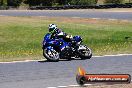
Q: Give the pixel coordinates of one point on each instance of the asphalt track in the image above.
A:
(52, 74)
(70, 13)
(47, 74)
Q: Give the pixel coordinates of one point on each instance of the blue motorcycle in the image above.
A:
(55, 49)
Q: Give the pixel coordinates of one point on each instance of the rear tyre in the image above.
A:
(84, 52)
(51, 55)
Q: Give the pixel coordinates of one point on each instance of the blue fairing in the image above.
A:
(47, 37)
(77, 38)
(49, 48)
(47, 42)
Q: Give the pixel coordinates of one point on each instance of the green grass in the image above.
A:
(21, 37)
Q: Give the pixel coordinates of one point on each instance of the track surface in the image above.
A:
(63, 73)
(70, 13)
(47, 74)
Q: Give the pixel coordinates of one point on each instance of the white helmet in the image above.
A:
(52, 28)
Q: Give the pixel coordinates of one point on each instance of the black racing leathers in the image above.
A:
(60, 34)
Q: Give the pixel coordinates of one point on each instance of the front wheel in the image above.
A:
(84, 52)
(51, 55)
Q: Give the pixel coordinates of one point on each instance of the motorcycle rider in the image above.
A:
(58, 33)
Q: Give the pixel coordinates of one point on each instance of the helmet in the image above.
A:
(52, 28)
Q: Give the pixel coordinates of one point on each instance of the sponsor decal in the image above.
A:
(82, 78)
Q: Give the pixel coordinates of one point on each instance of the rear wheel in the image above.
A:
(84, 52)
(51, 55)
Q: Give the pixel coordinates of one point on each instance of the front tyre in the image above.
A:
(84, 52)
(51, 55)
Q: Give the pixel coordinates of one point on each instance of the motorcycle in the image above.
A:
(55, 49)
